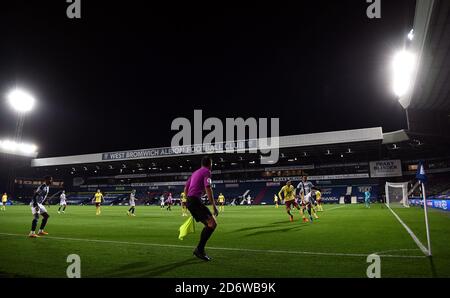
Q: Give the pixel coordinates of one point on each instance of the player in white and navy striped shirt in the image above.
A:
(132, 202)
(306, 189)
(37, 208)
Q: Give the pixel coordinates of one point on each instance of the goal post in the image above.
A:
(397, 194)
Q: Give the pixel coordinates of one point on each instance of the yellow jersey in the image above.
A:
(318, 195)
(183, 197)
(289, 193)
(98, 197)
(221, 199)
(4, 198)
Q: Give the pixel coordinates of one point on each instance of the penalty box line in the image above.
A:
(410, 232)
(359, 255)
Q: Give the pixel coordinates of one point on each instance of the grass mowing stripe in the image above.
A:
(410, 232)
(220, 248)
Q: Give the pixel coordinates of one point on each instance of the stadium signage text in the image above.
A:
(385, 168)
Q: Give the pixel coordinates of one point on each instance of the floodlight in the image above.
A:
(23, 149)
(21, 100)
(411, 34)
(403, 66)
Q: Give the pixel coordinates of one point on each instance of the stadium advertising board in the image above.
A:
(385, 168)
(433, 203)
(181, 150)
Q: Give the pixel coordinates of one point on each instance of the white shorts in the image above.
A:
(63, 203)
(133, 205)
(41, 209)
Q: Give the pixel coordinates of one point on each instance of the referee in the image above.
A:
(199, 182)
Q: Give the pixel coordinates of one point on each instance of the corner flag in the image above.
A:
(421, 175)
(186, 228)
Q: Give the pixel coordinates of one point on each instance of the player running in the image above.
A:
(169, 202)
(98, 199)
(62, 202)
(319, 201)
(288, 193)
(221, 200)
(199, 182)
(4, 201)
(275, 200)
(367, 198)
(249, 201)
(132, 202)
(183, 204)
(161, 200)
(307, 203)
(307, 187)
(37, 208)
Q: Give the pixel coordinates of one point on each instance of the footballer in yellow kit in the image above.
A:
(183, 204)
(288, 193)
(4, 201)
(98, 199)
(275, 200)
(319, 200)
(221, 202)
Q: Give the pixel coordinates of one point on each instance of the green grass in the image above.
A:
(249, 242)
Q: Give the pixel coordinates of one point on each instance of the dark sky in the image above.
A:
(116, 79)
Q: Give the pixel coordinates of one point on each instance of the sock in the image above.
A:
(34, 225)
(43, 223)
(64, 208)
(205, 235)
(132, 211)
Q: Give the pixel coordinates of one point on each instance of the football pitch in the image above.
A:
(249, 242)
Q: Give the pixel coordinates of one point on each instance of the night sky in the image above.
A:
(116, 79)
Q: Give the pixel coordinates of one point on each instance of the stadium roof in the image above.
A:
(367, 135)
(431, 90)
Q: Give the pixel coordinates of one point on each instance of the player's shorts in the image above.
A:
(221, 203)
(63, 203)
(291, 203)
(3, 203)
(183, 204)
(97, 204)
(198, 210)
(40, 211)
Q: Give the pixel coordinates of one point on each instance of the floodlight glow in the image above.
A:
(11, 147)
(411, 34)
(403, 66)
(21, 100)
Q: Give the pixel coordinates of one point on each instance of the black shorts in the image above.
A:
(198, 210)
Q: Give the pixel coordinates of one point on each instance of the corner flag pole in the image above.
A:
(426, 217)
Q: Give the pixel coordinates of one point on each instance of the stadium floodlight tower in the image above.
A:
(22, 102)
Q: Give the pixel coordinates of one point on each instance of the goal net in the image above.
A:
(397, 194)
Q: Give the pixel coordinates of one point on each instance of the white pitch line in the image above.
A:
(410, 232)
(361, 255)
(335, 208)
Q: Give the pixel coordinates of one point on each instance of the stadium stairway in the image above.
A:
(260, 196)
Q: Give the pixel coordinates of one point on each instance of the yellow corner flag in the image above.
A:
(186, 228)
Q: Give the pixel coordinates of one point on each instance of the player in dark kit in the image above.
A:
(199, 182)
(37, 208)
